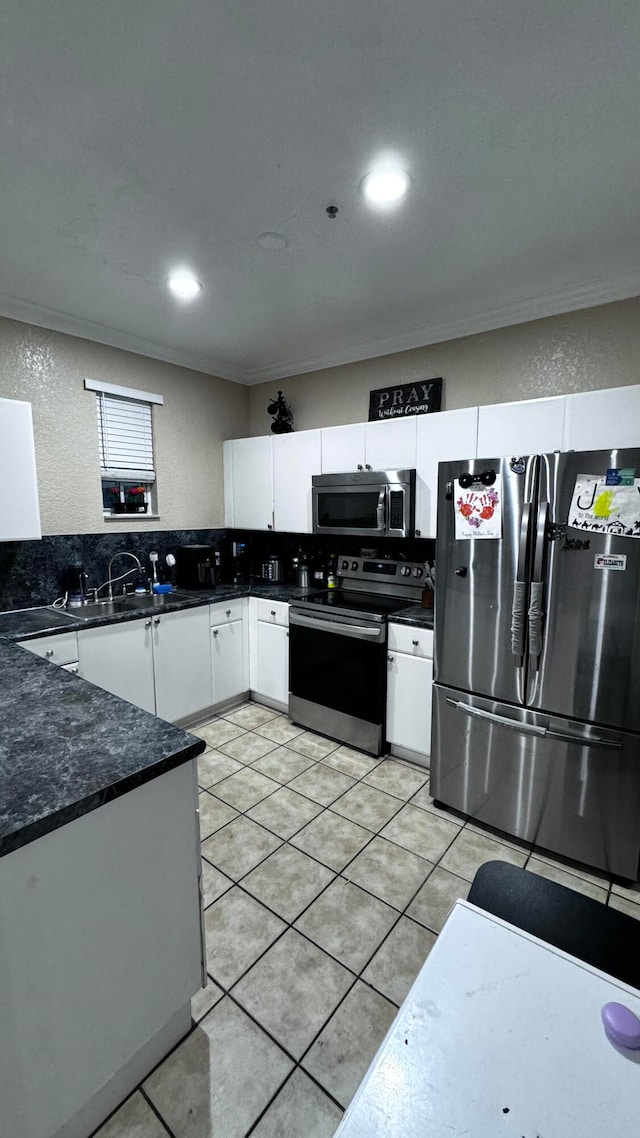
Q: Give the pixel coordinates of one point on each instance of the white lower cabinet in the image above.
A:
(161, 664)
(119, 658)
(409, 689)
(228, 661)
(272, 662)
(182, 663)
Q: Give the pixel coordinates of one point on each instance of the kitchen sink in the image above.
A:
(98, 608)
(145, 603)
(152, 600)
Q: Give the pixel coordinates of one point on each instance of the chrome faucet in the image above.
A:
(123, 553)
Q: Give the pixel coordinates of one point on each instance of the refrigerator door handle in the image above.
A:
(536, 612)
(501, 720)
(531, 729)
(583, 740)
(519, 603)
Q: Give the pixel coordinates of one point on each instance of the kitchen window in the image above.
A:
(125, 440)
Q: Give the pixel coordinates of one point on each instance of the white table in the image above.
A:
(500, 1035)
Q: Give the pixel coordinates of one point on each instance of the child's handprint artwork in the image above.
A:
(478, 513)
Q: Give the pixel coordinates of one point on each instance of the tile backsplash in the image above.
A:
(32, 572)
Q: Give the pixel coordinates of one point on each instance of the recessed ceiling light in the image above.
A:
(183, 284)
(385, 185)
(273, 241)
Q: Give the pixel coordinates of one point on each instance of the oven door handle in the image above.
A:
(355, 631)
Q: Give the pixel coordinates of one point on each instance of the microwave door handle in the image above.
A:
(380, 510)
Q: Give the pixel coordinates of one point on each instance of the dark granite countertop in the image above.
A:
(414, 615)
(28, 624)
(67, 747)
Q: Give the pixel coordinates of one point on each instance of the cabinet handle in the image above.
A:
(49, 652)
(273, 612)
(147, 624)
(368, 467)
(74, 671)
(359, 466)
(269, 526)
(415, 643)
(156, 620)
(228, 612)
(390, 659)
(418, 532)
(215, 631)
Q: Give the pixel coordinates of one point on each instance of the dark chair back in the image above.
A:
(584, 928)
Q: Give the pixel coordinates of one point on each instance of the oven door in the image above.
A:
(337, 676)
(357, 510)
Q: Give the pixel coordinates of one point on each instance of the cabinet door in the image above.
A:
(409, 680)
(391, 445)
(227, 483)
(228, 661)
(182, 663)
(119, 658)
(343, 448)
(296, 458)
(601, 420)
(533, 426)
(440, 437)
(272, 665)
(19, 505)
(252, 482)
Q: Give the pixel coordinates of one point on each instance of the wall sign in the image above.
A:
(420, 398)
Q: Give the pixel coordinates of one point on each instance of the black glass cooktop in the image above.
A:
(351, 601)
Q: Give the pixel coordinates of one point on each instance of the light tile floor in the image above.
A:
(327, 876)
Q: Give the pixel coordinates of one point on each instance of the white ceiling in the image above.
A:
(139, 136)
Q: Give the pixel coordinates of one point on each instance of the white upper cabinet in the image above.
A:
(296, 458)
(533, 426)
(391, 445)
(441, 437)
(343, 448)
(19, 505)
(601, 420)
(250, 465)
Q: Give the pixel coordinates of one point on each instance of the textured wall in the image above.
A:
(48, 369)
(579, 351)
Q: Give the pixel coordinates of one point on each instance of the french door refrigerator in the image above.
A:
(537, 650)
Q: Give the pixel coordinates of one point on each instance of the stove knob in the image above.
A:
(405, 571)
(354, 564)
(418, 572)
(345, 565)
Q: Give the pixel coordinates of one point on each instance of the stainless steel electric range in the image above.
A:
(338, 649)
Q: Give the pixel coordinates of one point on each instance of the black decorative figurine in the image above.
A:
(282, 416)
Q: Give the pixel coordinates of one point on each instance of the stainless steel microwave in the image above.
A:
(371, 503)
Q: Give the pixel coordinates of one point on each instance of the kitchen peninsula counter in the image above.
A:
(101, 943)
(68, 747)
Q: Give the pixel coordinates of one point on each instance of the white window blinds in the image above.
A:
(126, 438)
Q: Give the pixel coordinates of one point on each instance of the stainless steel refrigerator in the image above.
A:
(537, 650)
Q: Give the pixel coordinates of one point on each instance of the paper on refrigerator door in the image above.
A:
(597, 506)
(478, 512)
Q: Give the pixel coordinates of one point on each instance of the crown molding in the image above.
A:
(589, 295)
(469, 324)
(55, 321)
